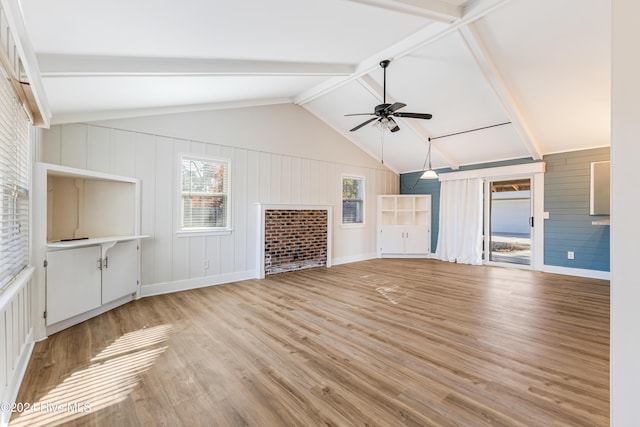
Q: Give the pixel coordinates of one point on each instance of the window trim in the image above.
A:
(364, 197)
(202, 231)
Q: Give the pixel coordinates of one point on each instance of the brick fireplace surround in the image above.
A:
(294, 238)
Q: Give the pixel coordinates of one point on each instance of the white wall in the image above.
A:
(279, 154)
(625, 205)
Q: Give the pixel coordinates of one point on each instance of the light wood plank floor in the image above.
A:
(378, 343)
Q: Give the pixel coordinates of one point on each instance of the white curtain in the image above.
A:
(460, 234)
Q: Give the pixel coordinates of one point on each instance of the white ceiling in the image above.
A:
(541, 64)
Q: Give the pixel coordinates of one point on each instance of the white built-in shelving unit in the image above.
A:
(404, 225)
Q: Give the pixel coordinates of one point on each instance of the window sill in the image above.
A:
(355, 225)
(204, 232)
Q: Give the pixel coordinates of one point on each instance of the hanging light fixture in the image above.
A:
(429, 173)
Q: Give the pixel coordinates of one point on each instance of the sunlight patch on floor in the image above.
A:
(110, 378)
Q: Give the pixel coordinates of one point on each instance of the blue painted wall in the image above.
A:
(566, 198)
(410, 183)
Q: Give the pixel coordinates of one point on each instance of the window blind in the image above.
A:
(205, 193)
(14, 185)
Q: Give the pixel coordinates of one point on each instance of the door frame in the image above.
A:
(536, 250)
(533, 170)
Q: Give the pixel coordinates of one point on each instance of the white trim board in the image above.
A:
(579, 272)
(497, 172)
(200, 282)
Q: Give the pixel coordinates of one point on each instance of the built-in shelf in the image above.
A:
(601, 222)
(79, 243)
(86, 235)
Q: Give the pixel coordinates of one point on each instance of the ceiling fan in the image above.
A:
(384, 113)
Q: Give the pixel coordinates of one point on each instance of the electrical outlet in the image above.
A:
(570, 255)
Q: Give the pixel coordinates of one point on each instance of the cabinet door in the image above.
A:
(417, 240)
(73, 282)
(120, 273)
(392, 239)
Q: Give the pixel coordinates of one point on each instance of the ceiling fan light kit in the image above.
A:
(384, 113)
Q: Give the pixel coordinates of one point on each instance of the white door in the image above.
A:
(417, 240)
(392, 239)
(73, 282)
(120, 271)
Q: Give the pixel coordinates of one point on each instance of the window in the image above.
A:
(204, 191)
(14, 185)
(352, 200)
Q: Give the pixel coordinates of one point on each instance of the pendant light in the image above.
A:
(429, 173)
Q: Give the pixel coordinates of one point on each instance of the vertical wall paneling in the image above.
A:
(240, 210)
(123, 153)
(295, 182)
(73, 146)
(253, 197)
(50, 145)
(286, 179)
(569, 227)
(16, 337)
(227, 241)
(305, 181)
(165, 204)
(181, 244)
(145, 167)
(99, 149)
(276, 178)
(169, 262)
(264, 166)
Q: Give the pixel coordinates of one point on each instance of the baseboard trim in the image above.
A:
(580, 272)
(353, 258)
(13, 386)
(66, 323)
(199, 282)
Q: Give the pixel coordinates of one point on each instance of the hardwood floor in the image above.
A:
(380, 343)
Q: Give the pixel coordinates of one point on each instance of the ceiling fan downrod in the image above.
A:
(384, 64)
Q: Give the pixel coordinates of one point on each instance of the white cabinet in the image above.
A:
(404, 225)
(120, 271)
(73, 282)
(86, 229)
(82, 279)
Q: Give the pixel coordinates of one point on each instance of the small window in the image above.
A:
(352, 200)
(204, 190)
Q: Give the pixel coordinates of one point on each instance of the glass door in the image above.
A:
(510, 221)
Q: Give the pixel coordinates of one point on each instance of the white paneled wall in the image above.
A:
(16, 338)
(171, 261)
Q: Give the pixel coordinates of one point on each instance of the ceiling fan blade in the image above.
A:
(393, 126)
(360, 114)
(414, 115)
(395, 106)
(363, 124)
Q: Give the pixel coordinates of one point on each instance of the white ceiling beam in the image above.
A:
(415, 41)
(96, 116)
(58, 65)
(375, 89)
(13, 16)
(491, 73)
(434, 10)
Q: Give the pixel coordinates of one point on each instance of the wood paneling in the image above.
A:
(256, 177)
(381, 342)
(566, 198)
(16, 337)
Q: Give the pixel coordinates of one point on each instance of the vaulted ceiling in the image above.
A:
(542, 65)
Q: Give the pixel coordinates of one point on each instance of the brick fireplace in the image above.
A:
(294, 237)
